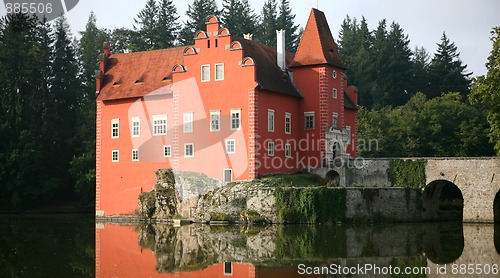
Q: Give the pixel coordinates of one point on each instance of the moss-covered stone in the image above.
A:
(310, 205)
(407, 173)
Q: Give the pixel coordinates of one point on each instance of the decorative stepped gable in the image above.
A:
(317, 46)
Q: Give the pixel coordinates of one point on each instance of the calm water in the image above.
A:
(77, 247)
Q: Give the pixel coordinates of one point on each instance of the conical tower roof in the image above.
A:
(317, 46)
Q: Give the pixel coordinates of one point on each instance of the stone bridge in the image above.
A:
(471, 183)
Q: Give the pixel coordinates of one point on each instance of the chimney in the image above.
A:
(280, 51)
(103, 58)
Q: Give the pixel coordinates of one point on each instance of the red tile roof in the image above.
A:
(317, 45)
(136, 74)
(269, 76)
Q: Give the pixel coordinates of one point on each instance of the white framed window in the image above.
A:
(334, 93)
(189, 150)
(205, 73)
(288, 123)
(235, 119)
(309, 120)
(160, 125)
(115, 128)
(136, 127)
(270, 120)
(215, 120)
(135, 155)
(335, 120)
(167, 151)
(288, 150)
(115, 155)
(188, 122)
(230, 146)
(219, 72)
(270, 148)
(348, 128)
(228, 177)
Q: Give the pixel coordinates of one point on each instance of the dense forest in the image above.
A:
(412, 103)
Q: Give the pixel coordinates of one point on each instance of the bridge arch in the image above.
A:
(333, 177)
(443, 200)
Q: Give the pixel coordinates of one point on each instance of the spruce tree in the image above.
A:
(197, 14)
(89, 47)
(420, 70)
(82, 166)
(286, 22)
(269, 23)
(380, 55)
(238, 17)
(145, 26)
(168, 26)
(447, 72)
(399, 66)
(63, 105)
(231, 15)
(24, 76)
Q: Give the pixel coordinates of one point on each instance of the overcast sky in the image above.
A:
(467, 23)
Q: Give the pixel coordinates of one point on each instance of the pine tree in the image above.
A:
(145, 26)
(238, 17)
(231, 14)
(380, 55)
(89, 47)
(269, 23)
(168, 26)
(447, 72)
(82, 166)
(286, 22)
(420, 71)
(63, 105)
(399, 66)
(197, 14)
(24, 76)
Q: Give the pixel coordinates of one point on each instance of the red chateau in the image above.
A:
(228, 107)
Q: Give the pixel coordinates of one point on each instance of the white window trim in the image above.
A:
(314, 120)
(117, 156)
(215, 71)
(135, 150)
(117, 122)
(270, 120)
(288, 116)
(288, 150)
(201, 69)
(185, 145)
(188, 123)
(136, 120)
(270, 151)
(334, 93)
(231, 264)
(234, 146)
(164, 150)
(232, 111)
(224, 175)
(159, 118)
(216, 113)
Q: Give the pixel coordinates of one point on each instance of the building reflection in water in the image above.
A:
(276, 251)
